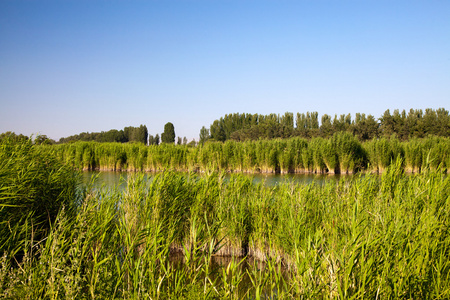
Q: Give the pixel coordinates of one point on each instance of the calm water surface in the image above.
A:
(110, 179)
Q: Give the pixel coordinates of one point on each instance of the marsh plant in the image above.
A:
(371, 237)
(34, 186)
(342, 153)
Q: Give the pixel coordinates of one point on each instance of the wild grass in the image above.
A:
(369, 237)
(342, 153)
(34, 185)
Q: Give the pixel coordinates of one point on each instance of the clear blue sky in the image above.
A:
(70, 66)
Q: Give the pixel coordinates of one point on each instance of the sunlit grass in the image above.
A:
(369, 237)
(342, 153)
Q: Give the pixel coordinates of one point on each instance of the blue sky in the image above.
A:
(70, 66)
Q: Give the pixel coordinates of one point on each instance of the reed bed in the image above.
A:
(340, 154)
(372, 236)
(34, 185)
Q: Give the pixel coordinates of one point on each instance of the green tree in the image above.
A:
(387, 125)
(136, 134)
(326, 128)
(168, 136)
(217, 131)
(443, 122)
(142, 135)
(204, 135)
(43, 140)
(13, 136)
(313, 120)
(365, 128)
(191, 143)
(153, 140)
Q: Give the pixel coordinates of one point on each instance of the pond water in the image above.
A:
(110, 178)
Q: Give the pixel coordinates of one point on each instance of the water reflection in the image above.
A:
(110, 178)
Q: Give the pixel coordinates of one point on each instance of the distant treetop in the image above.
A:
(415, 123)
(168, 136)
(128, 134)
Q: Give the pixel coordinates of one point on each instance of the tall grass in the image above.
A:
(367, 237)
(34, 186)
(342, 153)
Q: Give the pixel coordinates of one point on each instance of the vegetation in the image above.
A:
(153, 140)
(12, 136)
(168, 136)
(342, 153)
(204, 135)
(34, 186)
(246, 127)
(41, 139)
(415, 123)
(366, 237)
(128, 134)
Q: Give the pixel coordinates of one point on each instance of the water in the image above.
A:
(110, 178)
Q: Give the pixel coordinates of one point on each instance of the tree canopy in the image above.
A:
(128, 134)
(415, 123)
(168, 136)
(204, 135)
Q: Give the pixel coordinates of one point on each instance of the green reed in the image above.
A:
(366, 237)
(342, 153)
(34, 185)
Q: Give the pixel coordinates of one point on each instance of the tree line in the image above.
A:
(243, 127)
(40, 139)
(405, 125)
(128, 134)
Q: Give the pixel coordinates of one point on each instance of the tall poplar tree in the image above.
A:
(204, 135)
(168, 136)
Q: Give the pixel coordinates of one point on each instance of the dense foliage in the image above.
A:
(342, 153)
(40, 139)
(128, 134)
(369, 237)
(153, 140)
(34, 186)
(415, 123)
(168, 136)
(11, 136)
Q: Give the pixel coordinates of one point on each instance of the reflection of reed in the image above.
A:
(119, 179)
